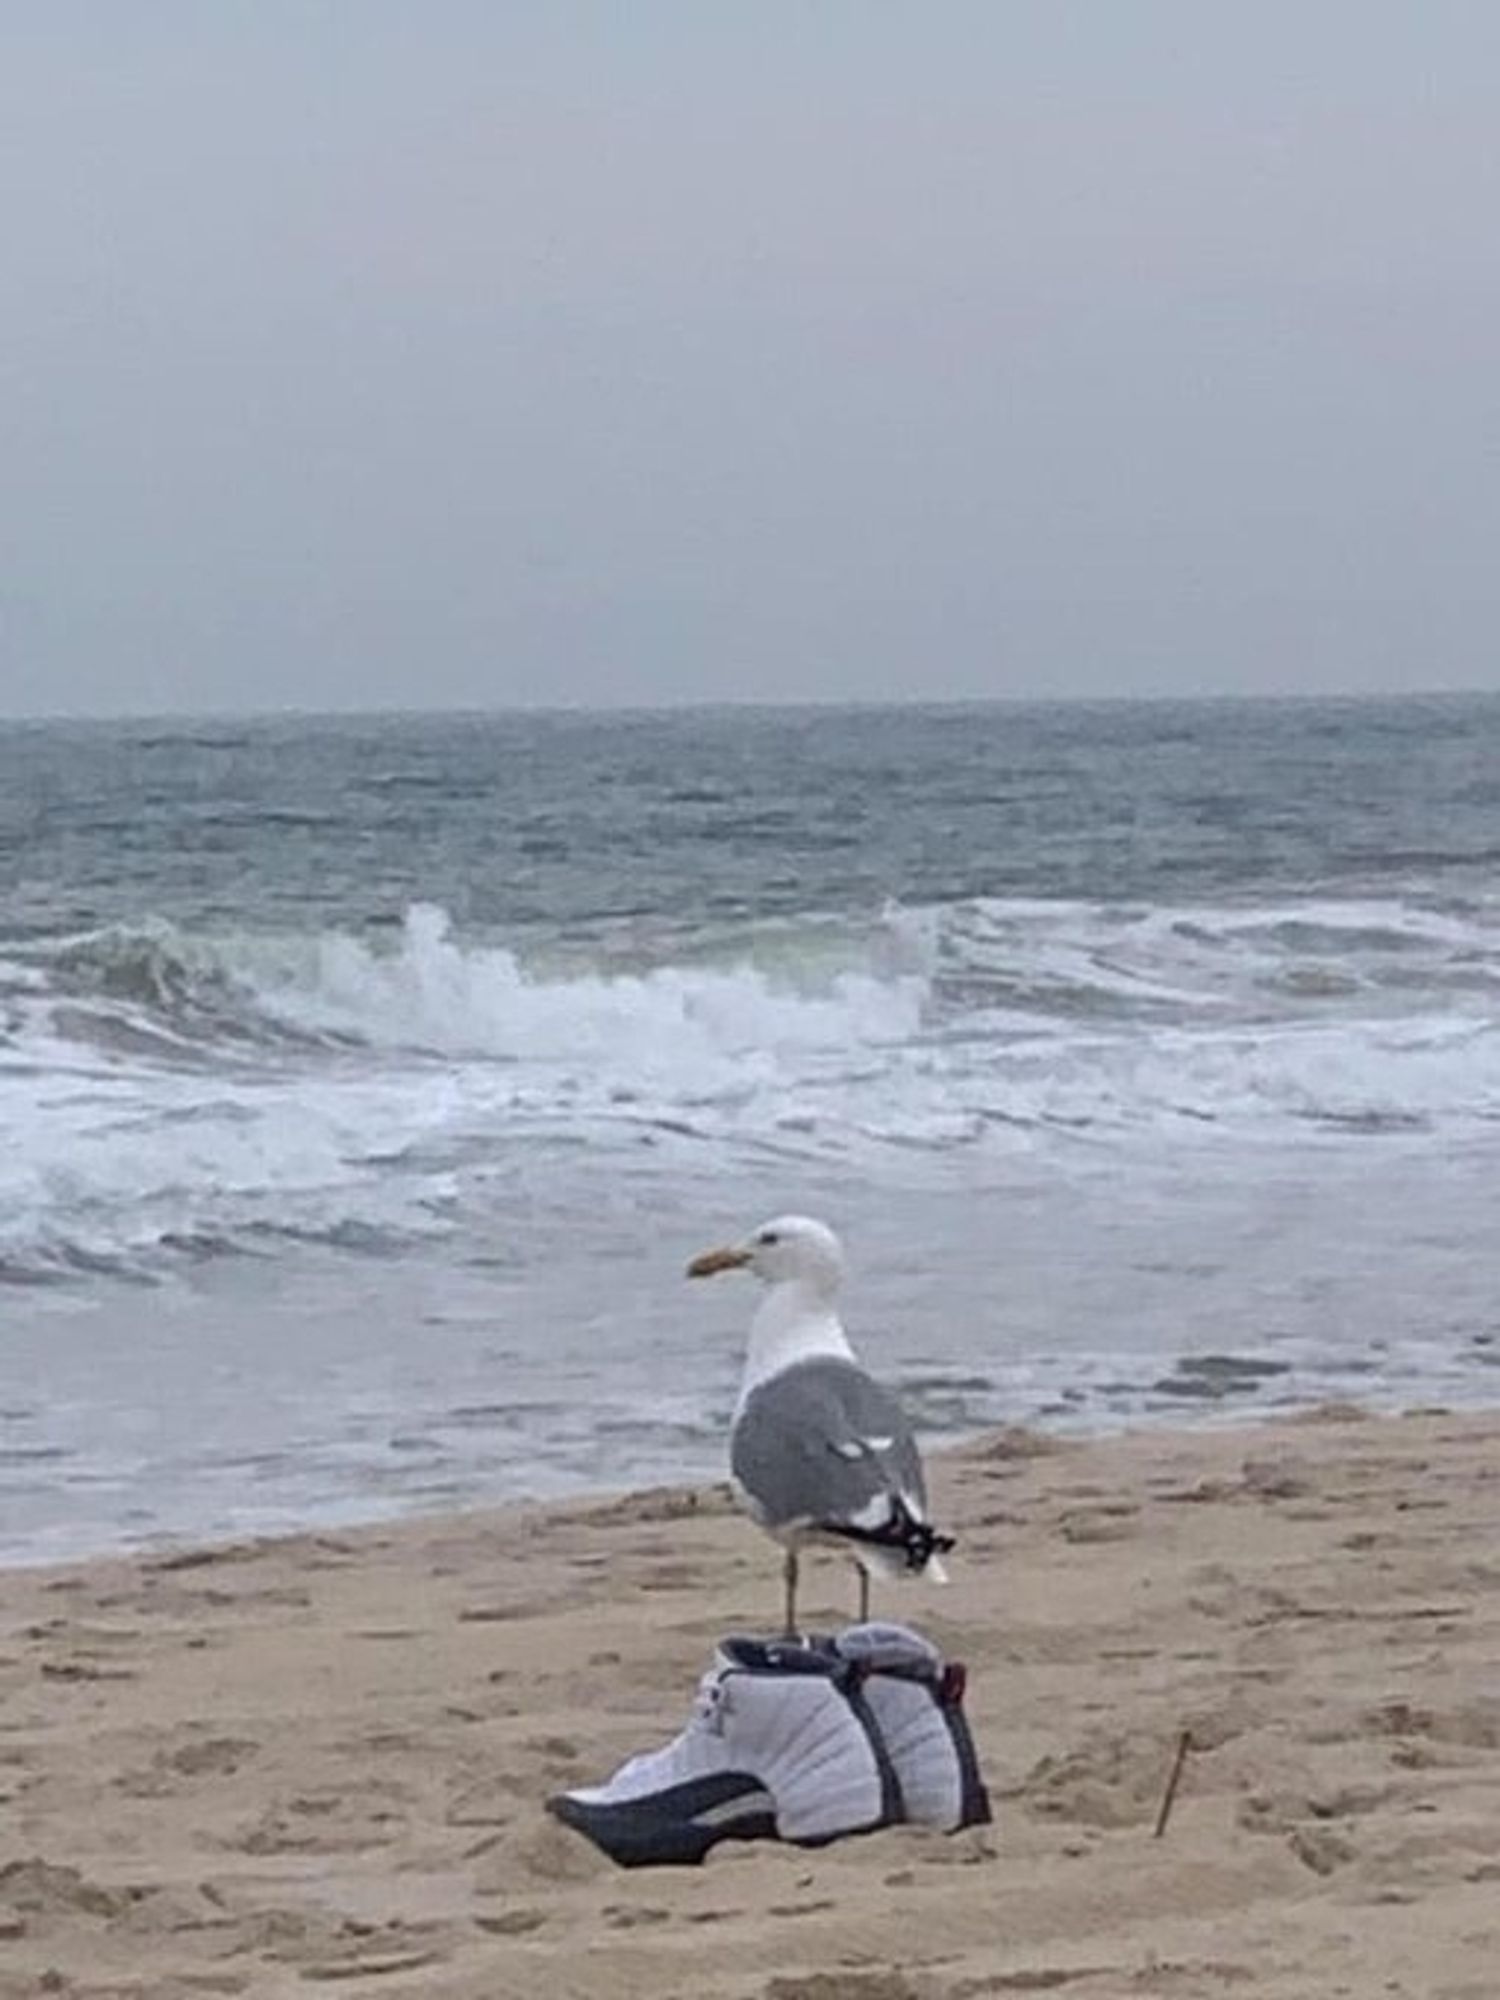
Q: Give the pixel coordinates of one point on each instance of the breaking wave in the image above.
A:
(168, 1095)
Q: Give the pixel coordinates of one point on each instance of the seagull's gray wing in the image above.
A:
(822, 1442)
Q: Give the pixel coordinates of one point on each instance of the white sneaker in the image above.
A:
(781, 1743)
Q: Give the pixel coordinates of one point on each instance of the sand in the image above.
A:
(321, 1762)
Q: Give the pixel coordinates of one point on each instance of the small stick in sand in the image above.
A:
(1184, 1744)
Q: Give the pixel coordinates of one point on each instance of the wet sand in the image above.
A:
(322, 1761)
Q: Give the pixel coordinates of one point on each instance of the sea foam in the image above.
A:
(161, 1090)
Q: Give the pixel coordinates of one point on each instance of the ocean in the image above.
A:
(366, 1083)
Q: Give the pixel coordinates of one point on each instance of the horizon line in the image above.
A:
(729, 704)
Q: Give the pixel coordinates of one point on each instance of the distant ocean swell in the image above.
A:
(168, 1095)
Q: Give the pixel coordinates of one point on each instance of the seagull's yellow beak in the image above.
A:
(713, 1261)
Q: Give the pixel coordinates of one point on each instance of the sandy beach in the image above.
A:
(266, 1768)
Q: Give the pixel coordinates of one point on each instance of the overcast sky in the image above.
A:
(432, 352)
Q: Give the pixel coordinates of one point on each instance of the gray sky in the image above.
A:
(468, 352)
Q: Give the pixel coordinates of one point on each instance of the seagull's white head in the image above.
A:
(789, 1249)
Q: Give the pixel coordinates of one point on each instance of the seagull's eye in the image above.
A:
(768, 1237)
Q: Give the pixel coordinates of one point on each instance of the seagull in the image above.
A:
(819, 1452)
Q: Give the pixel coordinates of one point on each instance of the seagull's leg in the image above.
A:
(864, 1594)
(789, 1577)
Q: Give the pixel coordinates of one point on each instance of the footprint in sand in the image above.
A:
(1278, 1476)
(1473, 1726)
(664, 1576)
(485, 1801)
(80, 1669)
(559, 1756)
(847, 1986)
(633, 1916)
(1320, 1848)
(325, 1822)
(1109, 1781)
(374, 1966)
(36, 1887)
(215, 1756)
(1290, 1811)
(512, 1923)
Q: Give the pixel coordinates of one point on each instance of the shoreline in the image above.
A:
(255, 1766)
(353, 1518)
